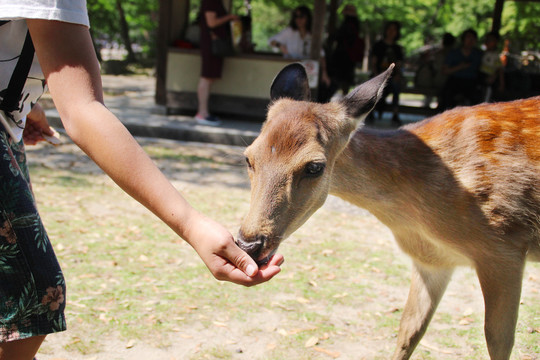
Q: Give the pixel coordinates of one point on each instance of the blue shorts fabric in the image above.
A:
(32, 286)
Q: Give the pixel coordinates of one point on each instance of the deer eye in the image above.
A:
(314, 169)
(248, 163)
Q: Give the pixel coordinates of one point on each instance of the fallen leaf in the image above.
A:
(87, 276)
(130, 344)
(425, 344)
(299, 330)
(332, 354)
(282, 332)
(468, 312)
(220, 324)
(302, 300)
(72, 303)
(330, 276)
(312, 342)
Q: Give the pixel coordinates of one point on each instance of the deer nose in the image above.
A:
(253, 246)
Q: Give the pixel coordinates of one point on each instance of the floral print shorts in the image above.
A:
(32, 287)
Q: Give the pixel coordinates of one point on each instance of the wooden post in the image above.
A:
(317, 30)
(332, 17)
(165, 10)
(497, 13)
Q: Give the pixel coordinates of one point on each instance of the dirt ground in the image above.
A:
(359, 337)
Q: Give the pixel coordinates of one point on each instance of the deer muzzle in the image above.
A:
(258, 247)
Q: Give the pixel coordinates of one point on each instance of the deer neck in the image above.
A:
(378, 170)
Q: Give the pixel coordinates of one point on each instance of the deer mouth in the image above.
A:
(259, 249)
(265, 259)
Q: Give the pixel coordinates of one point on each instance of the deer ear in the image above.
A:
(292, 83)
(362, 99)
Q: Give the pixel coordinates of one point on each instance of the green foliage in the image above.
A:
(423, 21)
(520, 23)
(263, 29)
(141, 16)
(103, 19)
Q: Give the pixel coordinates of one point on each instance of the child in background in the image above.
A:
(492, 69)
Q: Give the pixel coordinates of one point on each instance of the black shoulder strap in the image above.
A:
(18, 78)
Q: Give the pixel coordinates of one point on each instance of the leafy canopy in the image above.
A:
(423, 21)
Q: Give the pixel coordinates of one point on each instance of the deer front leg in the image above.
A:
(501, 286)
(427, 288)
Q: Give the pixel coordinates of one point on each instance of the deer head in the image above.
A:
(290, 163)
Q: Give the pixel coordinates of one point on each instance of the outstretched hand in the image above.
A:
(225, 260)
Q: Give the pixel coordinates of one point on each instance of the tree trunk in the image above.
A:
(433, 19)
(124, 32)
(97, 48)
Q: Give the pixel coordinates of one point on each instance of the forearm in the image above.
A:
(449, 70)
(274, 43)
(279, 39)
(108, 143)
(213, 21)
(75, 86)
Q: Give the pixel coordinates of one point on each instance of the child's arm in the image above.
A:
(68, 60)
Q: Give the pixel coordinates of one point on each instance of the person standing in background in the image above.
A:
(385, 52)
(462, 66)
(439, 78)
(345, 50)
(214, 23)
(294, 41)
(492, 69)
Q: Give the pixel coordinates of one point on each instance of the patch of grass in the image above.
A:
(129, 277)
(528, 328)
(161, 153)
(83, 346)
(214, 353)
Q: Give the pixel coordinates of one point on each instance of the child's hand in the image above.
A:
(225, 260)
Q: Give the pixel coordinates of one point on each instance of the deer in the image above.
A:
(461, 188)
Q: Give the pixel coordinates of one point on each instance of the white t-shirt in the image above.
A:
(491, 62)
(12, 36)
(297, 47)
